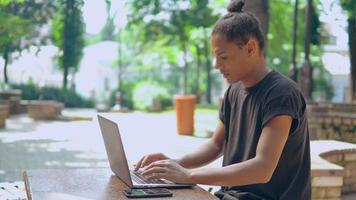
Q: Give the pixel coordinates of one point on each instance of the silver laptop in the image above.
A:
(118, 162)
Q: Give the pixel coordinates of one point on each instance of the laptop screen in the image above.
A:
(114, 149)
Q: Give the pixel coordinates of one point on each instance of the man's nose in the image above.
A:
(217, 65)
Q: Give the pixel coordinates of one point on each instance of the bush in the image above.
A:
(29, 91)
(69, 97)
(126, 95)
(145, 93)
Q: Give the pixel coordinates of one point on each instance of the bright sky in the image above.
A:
(94, 14)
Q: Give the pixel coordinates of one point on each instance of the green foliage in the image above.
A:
(108, 31)
(126, 95)
(280, 44)
(68, 97)
(145, 93)
(6, 2)
(20, 26)
(67, 34)
(12, 29)
(349, 6)
(322, 87)
(169, 25)
(29, 91)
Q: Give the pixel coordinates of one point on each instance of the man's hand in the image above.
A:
(148, 159)
(169, 170)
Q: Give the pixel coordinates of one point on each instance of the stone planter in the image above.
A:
(23, 106)
(4, 113)
(5, 107)
(13, 97)
(44, 110)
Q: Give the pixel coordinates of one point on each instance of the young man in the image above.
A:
(263, 132)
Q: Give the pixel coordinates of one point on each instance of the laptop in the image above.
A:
(118, 162)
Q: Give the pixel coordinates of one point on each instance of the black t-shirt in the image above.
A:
(245, 112)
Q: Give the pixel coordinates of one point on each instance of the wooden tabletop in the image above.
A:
(93, 183)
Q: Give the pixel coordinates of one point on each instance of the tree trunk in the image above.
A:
(293, 72)
(260, 9)
(196, 87)
(185, 76)
(307, 68)
(183, 41)
(65, 75)
(207, 67)
(119, 63)
(352, 45)
(66, 47)
(6, 59)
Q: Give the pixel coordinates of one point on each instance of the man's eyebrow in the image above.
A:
(221, 52)
(218, 53)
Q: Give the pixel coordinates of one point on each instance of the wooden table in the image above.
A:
(93, 183)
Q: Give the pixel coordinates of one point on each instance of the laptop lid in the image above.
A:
(117, 157)
(115, 150)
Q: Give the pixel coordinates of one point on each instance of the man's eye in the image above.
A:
(223, 57)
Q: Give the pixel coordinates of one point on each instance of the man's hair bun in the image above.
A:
(236, 6)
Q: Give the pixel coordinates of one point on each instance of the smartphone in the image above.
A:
(147, 193)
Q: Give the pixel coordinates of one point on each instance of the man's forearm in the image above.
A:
(245, 173)
(202, 156)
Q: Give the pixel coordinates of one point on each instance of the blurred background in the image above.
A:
(62, 62)
(97, 50)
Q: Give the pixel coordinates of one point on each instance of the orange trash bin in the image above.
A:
(184, 106)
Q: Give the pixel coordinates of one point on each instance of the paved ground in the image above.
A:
(26, 144)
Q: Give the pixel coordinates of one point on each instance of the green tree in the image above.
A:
(108, 31)
(350, 7)
(67, 33)
(172, 23)
(280, 37)
(21, 23)
(202, 23)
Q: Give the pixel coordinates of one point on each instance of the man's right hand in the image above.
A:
(148, 159)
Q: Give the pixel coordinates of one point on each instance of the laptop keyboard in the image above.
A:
(136, 176)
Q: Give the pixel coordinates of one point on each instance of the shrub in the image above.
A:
(29, 91)
(126, 95)
(69, 97)
(145, 93)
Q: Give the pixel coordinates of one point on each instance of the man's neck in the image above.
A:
(261, 70)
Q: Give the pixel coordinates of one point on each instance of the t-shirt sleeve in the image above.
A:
(286, 104)
(221, 111)
(224, 109)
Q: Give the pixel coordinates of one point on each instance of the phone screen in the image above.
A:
(154, 192)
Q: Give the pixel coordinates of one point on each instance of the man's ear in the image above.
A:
(251, 47)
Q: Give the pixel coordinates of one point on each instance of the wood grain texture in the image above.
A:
(88, 184)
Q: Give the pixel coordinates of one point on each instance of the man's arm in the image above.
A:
(208, 152)
(256, 170)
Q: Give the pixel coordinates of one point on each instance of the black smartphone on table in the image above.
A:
(147, 193)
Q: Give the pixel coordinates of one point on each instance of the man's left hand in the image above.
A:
(169, 170)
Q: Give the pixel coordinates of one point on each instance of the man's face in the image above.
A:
(231, 60)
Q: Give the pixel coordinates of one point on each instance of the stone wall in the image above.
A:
(347, 159)
(332, 121)
(333, 169)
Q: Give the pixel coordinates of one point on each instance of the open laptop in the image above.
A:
(118, 162)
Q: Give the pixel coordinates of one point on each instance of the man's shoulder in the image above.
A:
(278, 84)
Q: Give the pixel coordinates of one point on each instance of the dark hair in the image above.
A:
(239, 26)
